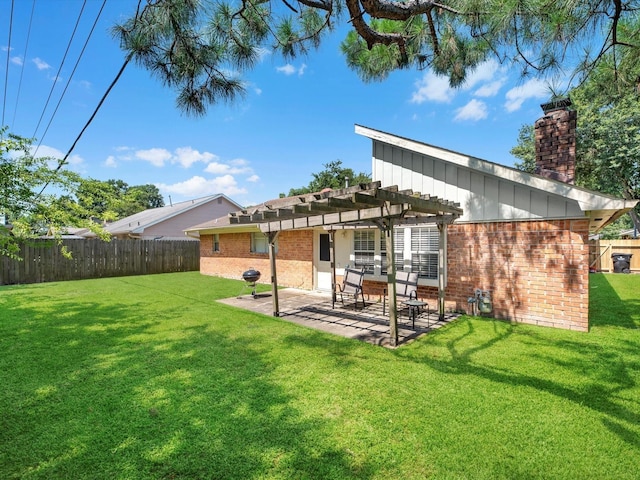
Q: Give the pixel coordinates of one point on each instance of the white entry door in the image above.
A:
(322, 259)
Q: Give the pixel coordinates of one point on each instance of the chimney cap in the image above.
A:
(558, 104)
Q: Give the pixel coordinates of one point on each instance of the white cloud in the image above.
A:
(489, 77)
(263, 53)
(73, 162)
(234, 167)
(533, 88)
(155, 156)
(474, 110)
(198, 186)
(111, 162)
(432, 87)
(16, 61)
(289, 69)
(485, 72)
(217, 168)
(490, 89)
(253, 178)
(46, 151)
(187, 156)
(41, 64)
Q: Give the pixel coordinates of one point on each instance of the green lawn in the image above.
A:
(149, 377)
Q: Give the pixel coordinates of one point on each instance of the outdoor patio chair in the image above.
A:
(406, 288)
(351, 285)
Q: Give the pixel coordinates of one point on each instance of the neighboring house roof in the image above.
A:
(631, 233)
(558, 199)
(223, 224)
(137, 223)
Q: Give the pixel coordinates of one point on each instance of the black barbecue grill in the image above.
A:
(250, 277)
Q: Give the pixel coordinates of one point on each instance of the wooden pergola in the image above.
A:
(363, 204)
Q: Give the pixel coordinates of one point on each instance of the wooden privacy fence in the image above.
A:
(600, 252)
(92, 258)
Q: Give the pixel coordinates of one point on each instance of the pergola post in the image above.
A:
(332, 258)
(442, 230)
(391, 282)
(274, 278)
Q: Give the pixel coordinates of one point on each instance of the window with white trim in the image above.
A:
(416, 250)
(364, 249)
(259, 243)
(424, 251)
(216, 243)
(398, 245)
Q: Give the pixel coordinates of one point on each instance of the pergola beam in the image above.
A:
(356, 205)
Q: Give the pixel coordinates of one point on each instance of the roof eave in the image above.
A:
(586, 199)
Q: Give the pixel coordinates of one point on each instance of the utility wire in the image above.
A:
(60, 69)
(26, 48)
(70, 77)
(95, 112)
(6, 73)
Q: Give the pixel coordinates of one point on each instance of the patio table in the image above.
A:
(415, 306)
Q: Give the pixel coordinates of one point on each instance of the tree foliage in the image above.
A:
(607, 132)
(525, 150)
(27, 210)
(334, 176)
(201, 49)
(114, 199)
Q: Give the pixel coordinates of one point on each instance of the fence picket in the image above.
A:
(92, 258)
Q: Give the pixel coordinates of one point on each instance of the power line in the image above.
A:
(60, 68)
(6, 74)
(63, 161)
(95, 112)
(70, 76)
(26, 48)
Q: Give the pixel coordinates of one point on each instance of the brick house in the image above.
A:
(522, 237)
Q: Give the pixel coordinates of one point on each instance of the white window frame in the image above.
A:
(404, 255)
(364, 250)
(398, 244)
(259, 243)
(424, 251)
(216, 243)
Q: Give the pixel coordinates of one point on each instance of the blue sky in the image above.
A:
(296, 116)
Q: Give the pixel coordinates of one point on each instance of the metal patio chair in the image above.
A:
(351, 286)
(406, 288)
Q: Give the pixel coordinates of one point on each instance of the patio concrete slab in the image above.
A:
(314, 310)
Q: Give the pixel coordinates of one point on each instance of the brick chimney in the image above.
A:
(555, 138)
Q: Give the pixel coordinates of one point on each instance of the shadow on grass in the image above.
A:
(106, 390)
(579, 369)
(607, 308)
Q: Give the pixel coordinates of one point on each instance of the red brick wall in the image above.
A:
(294, 260)
(555, 140)
(537, 271)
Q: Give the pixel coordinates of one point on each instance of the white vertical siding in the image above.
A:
(481, 195)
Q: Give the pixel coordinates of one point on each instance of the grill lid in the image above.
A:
(251, 275)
